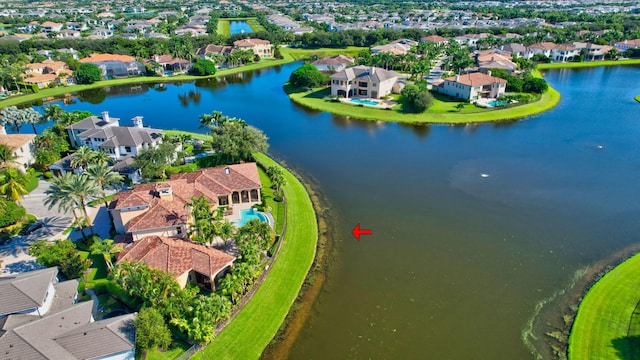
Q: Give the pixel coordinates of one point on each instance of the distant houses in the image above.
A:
(397, 47)
(628, 44)
(363, 81)
(47, 72)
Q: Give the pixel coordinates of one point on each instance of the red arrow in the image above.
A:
(357, 232)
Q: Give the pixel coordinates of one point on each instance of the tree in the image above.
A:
(237, 140)
(82, 158)
(53, 113)
(57, 196)
(103, 175)
(416, 99)
(75, 189)
(107, 249)
(277, 178)
(14, 185)
(535, 85)
(61, 253)
(10, 213)
(49, 146)
(87, 73)
(151, 330)
(7, 157)
(308, 76)
(203, 67)
(153, 162)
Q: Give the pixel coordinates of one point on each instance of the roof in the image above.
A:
(92, 122)
(25, 291)
(67, 334)
(16, 141)
(476, 79)
(123, 135)
(171, 212)
(107, 57)
(250, 42)
(499, 64)
(434, 38)
(364, 73)
(630, 42)
(176, 256)
(334, 60)
(215, 49)
(543, 46)
(39, 78)
(514, 48)
(50, 24)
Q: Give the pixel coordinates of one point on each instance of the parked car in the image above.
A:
(33, 227)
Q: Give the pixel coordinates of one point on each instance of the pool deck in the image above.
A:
(382, 104)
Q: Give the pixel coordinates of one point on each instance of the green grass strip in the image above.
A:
(225, 23)
(588, 64)
(637, 98)
(600, 330)
(223, 28)
(256, 324)
(194, 135)
(441, 112)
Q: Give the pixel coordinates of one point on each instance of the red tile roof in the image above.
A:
(250, 42)
(476, 79)
(107, 57)
(176, 256)
(434, 38)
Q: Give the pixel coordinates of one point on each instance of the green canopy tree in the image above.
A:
(7, 157)
(236, 140)
(308, 75)
(151, 330)
(107, 249)
(87, 73)
(14, 184)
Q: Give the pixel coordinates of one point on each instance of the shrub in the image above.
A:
(416, 99)
(535, 85)
(88, 73)
(10, 213)
(308, 76)
(203, 67)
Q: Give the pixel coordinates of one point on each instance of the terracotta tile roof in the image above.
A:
(50, 24)
(543, 46)
(476, 79)
(107, 57)
(15, 141)
(176, 256)
(434, 38)
(334, 60)
(240, 177)
(39, 78)
(632, 42)
(250, 42)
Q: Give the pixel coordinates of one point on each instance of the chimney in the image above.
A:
(137, 122)
(105, 116)
(164, 192)
(457, 77)
(3, 131)
(489, 72)
(493, 58)
(227, 170)
(501, 47)
(373, 70)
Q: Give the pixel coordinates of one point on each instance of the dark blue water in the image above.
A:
(239, 26)
(472, 225)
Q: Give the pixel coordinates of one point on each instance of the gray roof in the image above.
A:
(515, 47)
(69, 334)
(364, 73)
(25, 291)
(125, 165)
(92, 122)
(66, 292)
(123, 136)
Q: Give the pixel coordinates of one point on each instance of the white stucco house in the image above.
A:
(21, 145)
(474, 86)
(363, 81)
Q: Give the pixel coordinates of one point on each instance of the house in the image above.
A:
(68, 333)
(160, 208)
(21, 145)
(474, 86)
(333, 63)
(210, 50)
(514, 49)
(193, 29)
(397, 47)
(593, 52)
(494, 59)
(49, 26)
(34, 293)
(363, 81)
(564, 52)
(188, 262)
(470, 40)
(260, 47)
(101, 33)
(105, 134)
(47, 72)
(543, 48)
(435, 39)
(65, 34)
(113, 65)
(628, 44)
(169, 63)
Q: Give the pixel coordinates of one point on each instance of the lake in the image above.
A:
(239, 26)
(472, 225)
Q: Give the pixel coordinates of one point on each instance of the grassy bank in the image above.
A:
(224, 25)
(602, 328)
(589, 64)
(442, 111)
(637, 98)
(299, 54)
(252, 329)
(194, 135)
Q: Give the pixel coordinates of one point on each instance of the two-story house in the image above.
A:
(21, 145)
(260, 47)
(363, 81)
(474, 86)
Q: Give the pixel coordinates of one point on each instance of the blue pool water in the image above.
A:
(246, 215)
(365, 102)
(494, 103)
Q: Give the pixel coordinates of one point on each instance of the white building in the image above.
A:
(363, 81)
(474, 86)
(21, 145)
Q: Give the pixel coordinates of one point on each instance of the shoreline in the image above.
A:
(637, 98)
(588, 64)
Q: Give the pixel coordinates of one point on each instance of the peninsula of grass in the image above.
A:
(224, 25)
(256, 324)
(193, 135)
(637, 98)
(588, 64)
(605, 326)
(442, 111)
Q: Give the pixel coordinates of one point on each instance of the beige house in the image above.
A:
(260, 47)
(162, 208)
(22, 146)
(363, 81)
(474, 86)
(188, 262)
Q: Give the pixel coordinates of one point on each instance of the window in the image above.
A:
(362, 84)
(127, 149)
(375, 84)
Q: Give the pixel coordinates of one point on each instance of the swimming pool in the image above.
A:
(364, 102)
(494, 103)
(246, 215)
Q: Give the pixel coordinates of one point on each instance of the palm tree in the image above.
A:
(53, 113)
(82, 157)
(65, 204)
(7, 156)
(103, 175)
(30, 116)
(107, 249)
(10, 116)
(206, 121)
(14, 185)
(78, 189)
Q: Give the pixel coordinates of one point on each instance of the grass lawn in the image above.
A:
(254, 327)
(176, 349)
(194, 135)
(588, 64)
(601, 328)
(299, 54)
(97, 271)
(277, 207)
(224, 23)
(637, 98)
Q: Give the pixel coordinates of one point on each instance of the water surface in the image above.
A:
(239, 26)
(472, 225)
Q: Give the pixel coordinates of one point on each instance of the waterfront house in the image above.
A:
(169, 63)
(363, 81)
(21, 145)
(113, 65)
(161, 208)
(628, 44)
(208, 51)
(593, 52)
(333, 63)
(188, 262)
(473, 86)
(259, 47)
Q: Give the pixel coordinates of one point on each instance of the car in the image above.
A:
(33, 227)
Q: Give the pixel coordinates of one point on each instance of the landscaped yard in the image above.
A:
(603, 326)
(277, 207)
(256, 324)
(299, 54)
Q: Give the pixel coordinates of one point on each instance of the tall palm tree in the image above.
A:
(82, 158)
(103, 175)
(7, 157)
(53, 113)
(206, 121)
(107, 249)
(14, 185)
(74, 188)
